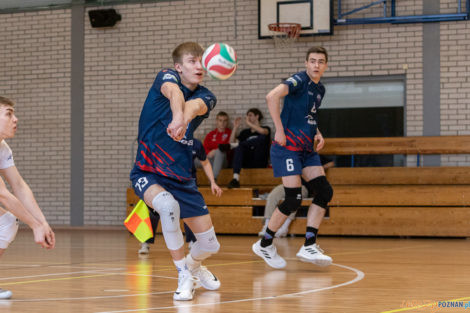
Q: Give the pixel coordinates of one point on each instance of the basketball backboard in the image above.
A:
(315, 16)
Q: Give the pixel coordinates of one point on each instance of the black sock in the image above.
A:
(268, 237)
(310, 236)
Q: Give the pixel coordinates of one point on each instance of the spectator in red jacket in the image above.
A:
(220, 135)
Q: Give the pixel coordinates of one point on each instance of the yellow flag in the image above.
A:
(138, 222)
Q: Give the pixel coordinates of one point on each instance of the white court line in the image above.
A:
(18, 265)
(359, 276)
(58, 274)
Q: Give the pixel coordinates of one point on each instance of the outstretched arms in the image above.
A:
(24, 206)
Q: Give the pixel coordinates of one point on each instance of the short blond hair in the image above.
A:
(192, 48)
(6, 101)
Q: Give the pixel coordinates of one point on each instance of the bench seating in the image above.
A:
(372, 201)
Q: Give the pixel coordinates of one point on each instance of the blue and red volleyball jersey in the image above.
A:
(157, 152)
(299, 114)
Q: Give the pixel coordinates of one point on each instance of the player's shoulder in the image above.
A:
(297, 79)
(168, 75)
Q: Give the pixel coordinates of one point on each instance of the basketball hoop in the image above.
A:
(284, 34)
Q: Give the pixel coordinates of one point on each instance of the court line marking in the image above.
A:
(57, 274)
(424, 305)
(81, 277)
(163, 268)
(92, 298)
(359, 276)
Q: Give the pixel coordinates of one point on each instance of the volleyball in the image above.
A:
(220, 61)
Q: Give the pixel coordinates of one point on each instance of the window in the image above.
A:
(364, 107)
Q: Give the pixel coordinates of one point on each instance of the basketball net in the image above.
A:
(284, 34)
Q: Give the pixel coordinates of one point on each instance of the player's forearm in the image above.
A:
(177, 106)
(207, 167)
(193, 108)
(175, 95)
(25, 195)
(274, 107)
(12, 204)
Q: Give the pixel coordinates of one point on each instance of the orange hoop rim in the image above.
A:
(292, 30)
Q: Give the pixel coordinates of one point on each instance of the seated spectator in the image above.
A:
(200, 154)
(251, 146)
(220, 135)
(278, 194)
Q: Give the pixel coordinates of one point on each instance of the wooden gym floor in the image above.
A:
(100, 271)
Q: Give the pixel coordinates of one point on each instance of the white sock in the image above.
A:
(236, 176)
(181, 265)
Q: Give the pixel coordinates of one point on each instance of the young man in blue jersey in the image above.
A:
(175, 106)
(293, 155)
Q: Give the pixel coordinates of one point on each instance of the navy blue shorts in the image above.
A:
(185, 192)
(286, 162)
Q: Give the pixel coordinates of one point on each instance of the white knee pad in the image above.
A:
(8, 229)
(169, 211)
(206, 245)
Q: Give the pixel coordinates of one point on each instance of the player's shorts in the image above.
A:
(8, 229)
(185, 192)
(286, 162)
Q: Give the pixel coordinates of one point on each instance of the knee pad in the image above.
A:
(169, 210)
(206, 245)
(292, 202)
(8, 229)
(321, 190)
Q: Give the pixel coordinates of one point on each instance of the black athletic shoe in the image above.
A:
(233, 184)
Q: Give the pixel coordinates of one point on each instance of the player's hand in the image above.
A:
(216, 190)
(44, 236)
(280, 137)
(320, 141)
(177, 129)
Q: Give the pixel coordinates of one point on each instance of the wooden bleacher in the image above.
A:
(375, 201)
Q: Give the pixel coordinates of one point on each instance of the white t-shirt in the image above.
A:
(6, 156)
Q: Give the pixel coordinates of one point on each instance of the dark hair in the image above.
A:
(317, 50)
(255, 111)
(192, 48)
(222, 113)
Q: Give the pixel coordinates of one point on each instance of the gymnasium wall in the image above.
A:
(35, 73)
(121, 63)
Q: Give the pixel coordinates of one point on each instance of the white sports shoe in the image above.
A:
(185, 289)
(314, 254)
(5, 294)
(144, 248)
(205, 278)
(269, 255)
